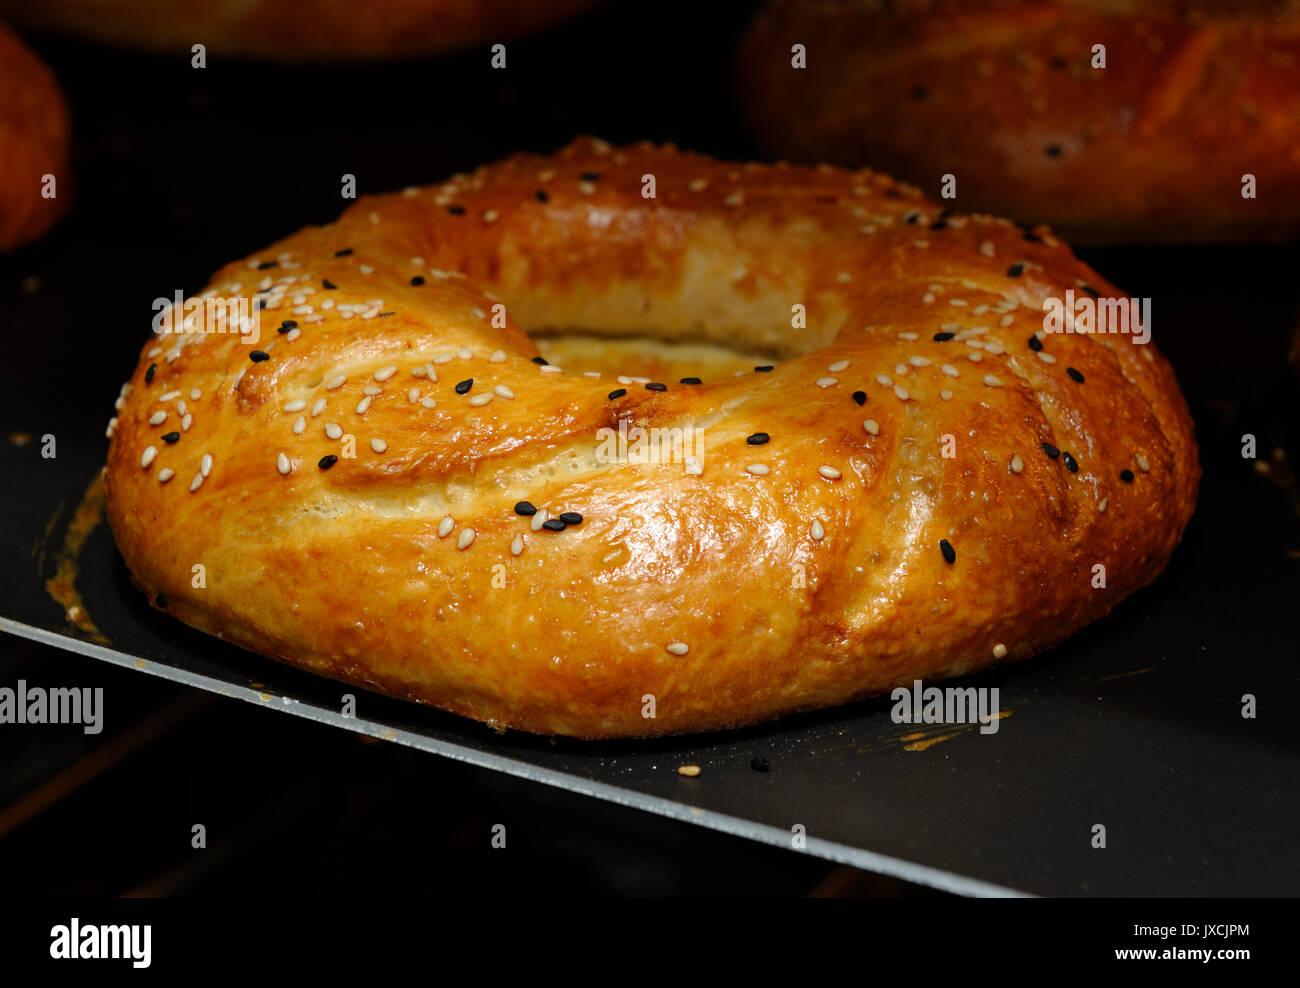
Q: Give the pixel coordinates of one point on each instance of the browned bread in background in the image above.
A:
(296, 30)
(825, 548)
(1002, 95)
(33, 143)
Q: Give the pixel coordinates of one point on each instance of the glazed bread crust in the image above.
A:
(33, 143)
(296, 30)
(761, 579)
(1003, 95)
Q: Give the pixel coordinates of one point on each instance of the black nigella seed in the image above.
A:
(617, 393)
(1074, 374)
(919, 92)
(764, 369)
(553, 525)
(161, 601)
(760, 764)
(590, 176)
(525, 508)
(757, 439)
(171, 437)
(939, 225)
(1032, 237)
(949, 553)
(464, 386)
(1053, 150)
(540, 361)
(1126, 476)
(946, 213)
(343, 253)
(266, 265)
(1035, 343)
(570, 517)
(943, 337)
(656, 386)
(327, 461)
(912, 218)
(1091, 291)
(148, 375)
(456, 210)
(257, 356)
(691, 380)
(860, 397)
(260, 304)
(287, 325)
(1071, 463)
(1051, 450)
(1057, 62)
(542, 196)
(385, 315)
(417, 281)
(329, 284)
(1015, 271)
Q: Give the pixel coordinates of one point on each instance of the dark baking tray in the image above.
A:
(1134, 724)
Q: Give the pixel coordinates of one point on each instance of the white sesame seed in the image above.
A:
(816, 530)
(679, 648)
(946, 395)
(697, 184)
(758, 469)
(378, 445)
(871, 426)
(186, 422)
(1142, 463)
(413, 395)
(826, 382)
(373, 390)
(491, 216)
(443, 358)
(297, 405)
(182, 407)
(901, 393)
(365, 269)
(1101, 508)
(539, 519)
(907, 336)
(838, 366)
(884, 380)
(384, 373)
(481, 399)
(735, 199)
(282, 464)
(1046, 357)
(465, 353)
(445, 526)
(919, 361)
(426, 402)
(363, 405)
(195, 394)
(829, 472)
(147, 457)
(551, 369)
(170, 396)
(693, 465)
(999, 651)
(334, 381)
(196, 482)
(1017, 464)
(318, 407)
(498, 357)
(299, 425)
(205, 464)
(333, 431)
(430, 372)
(992, 381)
(974, 357)
(465, 537)
(503, 391)
(950, 370)
(165, 474)
(158, 417)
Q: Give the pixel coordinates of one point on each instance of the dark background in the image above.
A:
(179, 170)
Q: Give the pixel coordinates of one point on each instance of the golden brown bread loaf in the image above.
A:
(296, 30)
(33, 144)
(820, 545)
(1003, 95)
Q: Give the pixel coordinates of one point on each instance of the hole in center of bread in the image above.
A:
(633, 356)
